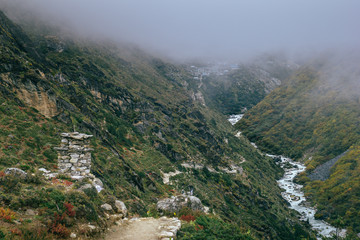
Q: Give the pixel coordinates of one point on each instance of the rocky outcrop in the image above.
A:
(74, 155)
(176, 203)
(15, 172)
(39, 99)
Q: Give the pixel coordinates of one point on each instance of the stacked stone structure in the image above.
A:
(74, 155)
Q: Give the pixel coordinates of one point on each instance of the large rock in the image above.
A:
(15, 172)
(176, 203)
(98, 184)
(106, 207)
(86, 186)
(120, 207)
(30, 212)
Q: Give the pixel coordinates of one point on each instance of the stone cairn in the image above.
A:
(74, 155)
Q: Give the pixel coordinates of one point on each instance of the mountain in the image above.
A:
(233, 88)
(144, 123)
(314, 117)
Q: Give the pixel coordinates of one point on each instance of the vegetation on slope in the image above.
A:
(143, 121)
(308, 119)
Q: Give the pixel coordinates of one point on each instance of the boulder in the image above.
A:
(120, 207)
(30, 212)
(98, 184)
(195, 203)
(86, 186)
(176, 203)
(15, 172)
(44, 170)
(107, 207)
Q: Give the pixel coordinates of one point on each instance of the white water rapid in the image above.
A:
(235, 118)
(293, 192)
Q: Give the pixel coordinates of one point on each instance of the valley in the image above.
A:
(293, 192)
(98, 135)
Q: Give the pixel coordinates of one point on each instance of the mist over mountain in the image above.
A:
(208, 29)
(153, 88)
(341, 74)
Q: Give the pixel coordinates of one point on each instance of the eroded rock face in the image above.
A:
(176, 203)
(39, 99)
(74, 155)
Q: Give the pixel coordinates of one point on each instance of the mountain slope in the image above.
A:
(144, 123)
(240, 87)
(313, 119)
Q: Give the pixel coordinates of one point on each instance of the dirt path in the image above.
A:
(145, 229)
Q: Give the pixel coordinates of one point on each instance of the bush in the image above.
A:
(206, 227)
(7, 214)
(36, 233)
(10, 184)
(187, 218)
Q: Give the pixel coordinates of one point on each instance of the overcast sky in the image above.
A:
(216, 28)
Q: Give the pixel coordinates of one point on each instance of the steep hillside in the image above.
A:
(241, 87)
(145, 123)
(314, 118)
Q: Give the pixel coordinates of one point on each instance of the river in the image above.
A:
(293, 192)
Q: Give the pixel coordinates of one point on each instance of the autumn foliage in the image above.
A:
(6, 214)
(187, 218)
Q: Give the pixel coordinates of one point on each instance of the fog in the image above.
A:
(340, 73)
(226, 29)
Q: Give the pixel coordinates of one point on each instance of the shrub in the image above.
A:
(153, 212)
(69, 209)
(187, 218)
(57, 226)
(38, 233)
(7, 214)
(36, 179)
(206, 227)
(11, 184)
(60, 230)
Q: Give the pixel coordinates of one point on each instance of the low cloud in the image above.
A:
(208, 29)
